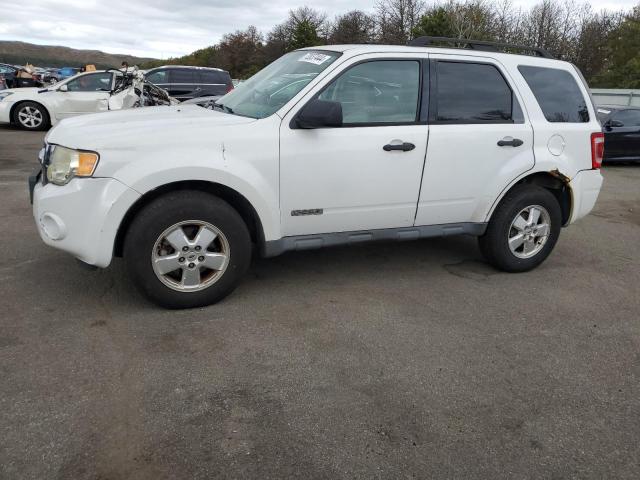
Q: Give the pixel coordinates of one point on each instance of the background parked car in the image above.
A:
(621, 126)
(50, 76)
(66, 72)
(184, 83)
(9, 73)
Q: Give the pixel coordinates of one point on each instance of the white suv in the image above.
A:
(327, 146)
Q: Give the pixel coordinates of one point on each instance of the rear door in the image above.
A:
(183, 83)
(479, 139)
(622, 135)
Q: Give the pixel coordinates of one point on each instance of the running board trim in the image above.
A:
(273, 248)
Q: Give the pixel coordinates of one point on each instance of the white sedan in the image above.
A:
(40, 108)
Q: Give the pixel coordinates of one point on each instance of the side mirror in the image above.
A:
(318, 114)
(616, 124)
(63, 88)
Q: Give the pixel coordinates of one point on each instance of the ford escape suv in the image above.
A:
(326, 146)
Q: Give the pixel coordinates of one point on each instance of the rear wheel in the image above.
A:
(31, 116)
(187, 249)
(523, 229)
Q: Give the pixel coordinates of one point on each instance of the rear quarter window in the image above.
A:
(557, 94)
(214, 78)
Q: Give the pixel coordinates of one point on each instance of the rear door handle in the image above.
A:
(405, 147)
(510, 142)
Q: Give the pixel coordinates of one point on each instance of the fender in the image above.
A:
(52, 119)
(248, 167)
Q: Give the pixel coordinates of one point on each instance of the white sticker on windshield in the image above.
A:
(315, 58)
(602, 110)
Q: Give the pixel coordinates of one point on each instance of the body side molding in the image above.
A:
(307, 242)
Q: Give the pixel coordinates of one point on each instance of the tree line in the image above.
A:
(604, 44)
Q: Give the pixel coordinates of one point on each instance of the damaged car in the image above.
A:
(92, 92)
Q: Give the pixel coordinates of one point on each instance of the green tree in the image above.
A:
(623, 66)
(437, 22)
(304, 34)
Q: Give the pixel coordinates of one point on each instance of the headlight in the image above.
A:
(4, 95)
(65, 163)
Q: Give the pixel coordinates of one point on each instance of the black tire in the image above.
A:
(45, 122)
(494, 244)
(167, 211)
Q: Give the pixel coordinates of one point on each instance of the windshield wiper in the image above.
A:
(224, 107)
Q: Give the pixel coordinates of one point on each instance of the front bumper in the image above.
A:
(82, 217)
(5, 111)
(585, 188)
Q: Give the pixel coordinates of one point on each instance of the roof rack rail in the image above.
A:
(476, 45)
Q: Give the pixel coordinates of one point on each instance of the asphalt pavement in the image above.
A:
(392, 360)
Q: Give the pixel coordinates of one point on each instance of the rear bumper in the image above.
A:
(585, 188)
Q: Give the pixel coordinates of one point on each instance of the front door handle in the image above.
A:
(405, 147)
(510, 142)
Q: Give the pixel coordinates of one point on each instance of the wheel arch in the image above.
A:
(19, 102)
(554, 181)
(238, 201)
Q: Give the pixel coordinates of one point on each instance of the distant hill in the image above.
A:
(19, 53)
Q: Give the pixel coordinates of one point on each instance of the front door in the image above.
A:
(87, 93)
(479, 140)
(366, 174)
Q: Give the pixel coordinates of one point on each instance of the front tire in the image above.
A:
(31, 116)
(523, 229)
(187, 249)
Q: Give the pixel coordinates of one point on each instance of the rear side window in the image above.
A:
(557, 94)
(182, 76)
(472, 93)
(214, 78)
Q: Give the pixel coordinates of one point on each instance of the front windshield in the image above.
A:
(277, 83)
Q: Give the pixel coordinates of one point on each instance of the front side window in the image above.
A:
(93, 82)
(377, 92)
(628, 118)
(161, 76)
(472, 93)
(273, 86)
(557, 94)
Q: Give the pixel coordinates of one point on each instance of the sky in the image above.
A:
(164, 28)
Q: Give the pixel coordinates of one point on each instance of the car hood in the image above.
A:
(137, 127)
(26, 91)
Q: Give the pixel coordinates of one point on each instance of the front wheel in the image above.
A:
(31, 116)
(187, 249)
(523, 229)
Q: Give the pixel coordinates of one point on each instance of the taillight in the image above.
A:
(229, 87)
(597, 149)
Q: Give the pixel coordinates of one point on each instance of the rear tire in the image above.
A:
(187, 249)
(523, 229)
(31, 116)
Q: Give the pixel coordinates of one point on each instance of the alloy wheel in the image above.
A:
(529, 231)
(190, 256)
(30, 117)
